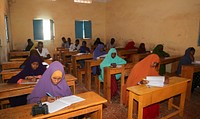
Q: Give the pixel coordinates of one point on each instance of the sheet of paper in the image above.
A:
(196, 62)
(63, 102)
(156, 81)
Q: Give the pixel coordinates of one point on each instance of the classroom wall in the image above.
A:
(4, 46)
(63, 12)
(174, 23)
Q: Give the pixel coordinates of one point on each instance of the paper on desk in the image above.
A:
(156, 81)
(196, 62)
(62, 103)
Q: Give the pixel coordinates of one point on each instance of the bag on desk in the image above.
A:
(40, 109)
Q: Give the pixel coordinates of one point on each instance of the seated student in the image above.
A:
(84, 48)
(130, 45)
(75, 47)
(99, 51)
(187, 59)
(149, 66)
(43, 51)
(159, 51)
(111, 59)
(141, 48)
(111, 44)
(64, 42)
(29, 45)
(31, 72)
(52, 81)
(96, 42)
(32, 52)
(69, 42)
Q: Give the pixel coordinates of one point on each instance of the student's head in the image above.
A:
(113, 55)
(160, 47)
(76, 42)
(69, 39)
(192, 51)
(112, 41)
(56, 77)
(64, 40)
(35, 65)
(40, 45)
(84, 43)
(29, 40)
(142, 45)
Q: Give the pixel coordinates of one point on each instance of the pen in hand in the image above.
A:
(51, 99)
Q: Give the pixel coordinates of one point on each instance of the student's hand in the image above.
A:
(114, 65)
(144, 82)
(57, 97)
(50, 99)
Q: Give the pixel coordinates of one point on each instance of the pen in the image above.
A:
(48, 94)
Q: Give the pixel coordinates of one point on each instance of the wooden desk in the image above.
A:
(12, 90)
(75, 58)
(187, 72)
(172, 59)
(71, 81)
(10, 65)
(91, 105)
(88, 65)
(17, 59)
(137, 57)
(146, 96)
(126, 52)
(107, 81)
(18, 54)
(7, 74)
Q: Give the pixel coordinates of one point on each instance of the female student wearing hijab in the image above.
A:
(159, 51)
(32, 71)
(52, 82)
(187, 59)
(98, 52)
(141, 48)
(149, 66)
(111, 59)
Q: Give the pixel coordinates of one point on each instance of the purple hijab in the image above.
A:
(97, 52)
(28, 70)
(45, 85)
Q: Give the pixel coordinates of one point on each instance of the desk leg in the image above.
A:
(182, 103)
(88, 76)
(97, 114)
(107, 84)
(140, 110)
(130, 106)
(170, 102)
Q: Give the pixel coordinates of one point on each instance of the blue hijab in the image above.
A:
(108, 61)
(185, 60)
(97, 52)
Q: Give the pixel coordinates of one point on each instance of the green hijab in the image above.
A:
(108, 61)
(159, 51)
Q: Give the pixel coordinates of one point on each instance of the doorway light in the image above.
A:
(83, 1)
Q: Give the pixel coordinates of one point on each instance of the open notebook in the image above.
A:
(62, 103)
(156, 81)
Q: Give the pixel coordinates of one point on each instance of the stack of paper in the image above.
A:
(62, 103)
(156, 81)
(196, 62)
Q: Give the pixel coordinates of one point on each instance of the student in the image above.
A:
(111, 59)
(159, 51)
(141, 48)
(99, 51)
(31, 72)
(43, 51)
(52, 82)
(111, 44)
(187, 59)
(29, 45)
(32, 52)
(69, 42)
(64, 42)
(130, 45)
(149, 66)
(84, 48)
(96, 43)
(75, 47)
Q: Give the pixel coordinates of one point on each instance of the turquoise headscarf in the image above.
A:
(108, 61)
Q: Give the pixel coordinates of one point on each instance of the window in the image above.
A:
(6, 27)
(83, 29)
(83, 1)
(43, 29)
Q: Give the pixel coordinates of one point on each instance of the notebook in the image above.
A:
(156, 81)
(62, 103)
